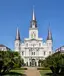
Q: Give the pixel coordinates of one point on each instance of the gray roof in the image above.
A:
(60, 49)
(1, 45)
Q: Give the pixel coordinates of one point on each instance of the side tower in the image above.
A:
(33, 31)
(17, 41)
(49, 42)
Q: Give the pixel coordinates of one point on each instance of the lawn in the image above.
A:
(49, 73)
(15, 73)
(18, 71)
(45, 72)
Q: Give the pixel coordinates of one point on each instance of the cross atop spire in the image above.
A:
(17, 34)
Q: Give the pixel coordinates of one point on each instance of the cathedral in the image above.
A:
(33, 48)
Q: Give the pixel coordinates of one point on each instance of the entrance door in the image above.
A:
(33, 62)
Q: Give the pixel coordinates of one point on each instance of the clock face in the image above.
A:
(33, 35)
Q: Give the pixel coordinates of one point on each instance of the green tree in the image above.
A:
(55, 62)
(9, 60)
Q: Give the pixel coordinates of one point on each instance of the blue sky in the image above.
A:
(18, 13)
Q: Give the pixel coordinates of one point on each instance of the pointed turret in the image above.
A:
(49, 42)
(33, 21)
(49, 37)
(17, 34)
(17, 41)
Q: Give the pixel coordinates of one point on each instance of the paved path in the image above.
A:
(32, 71)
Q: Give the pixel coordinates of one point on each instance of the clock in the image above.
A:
(33, 35)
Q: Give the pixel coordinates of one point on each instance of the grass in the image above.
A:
(18, 71)
(45, 72)
(49, 73)
(15, 73)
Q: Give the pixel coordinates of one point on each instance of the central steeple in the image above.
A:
(33, 21)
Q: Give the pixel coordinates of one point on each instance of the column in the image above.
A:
(28, 62)
(37, 62)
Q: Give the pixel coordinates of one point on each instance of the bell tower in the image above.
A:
(33, 30)
(49, 42)
(17, 41)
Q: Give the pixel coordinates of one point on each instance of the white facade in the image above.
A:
(33, 49)
(4, 48)
(60, 49)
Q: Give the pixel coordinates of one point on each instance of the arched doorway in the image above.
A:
(30, 63)
(27, 63)
(33, 62)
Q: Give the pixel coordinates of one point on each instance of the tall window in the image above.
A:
(39, 44)
(22, 52)
(26, 44)
(49, 52)
(44, 52)
(33, 53)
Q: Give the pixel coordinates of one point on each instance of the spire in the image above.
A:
(33, 21)
(49, 37)
(33, 15)
(17, 34)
